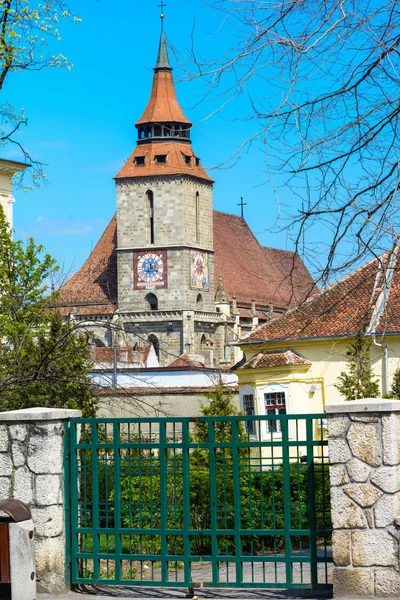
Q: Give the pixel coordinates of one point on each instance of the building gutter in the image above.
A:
(378, 310)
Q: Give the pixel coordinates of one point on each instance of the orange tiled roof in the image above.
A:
(175, 164)
(248, 270)
(185, 360)
(275, 359)
(94, 287)
(163, 106)
(345, 308)
(106, 354)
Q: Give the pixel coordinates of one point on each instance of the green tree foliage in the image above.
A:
(28, 32)
(395, 389)
(43, 360)
(357, 382)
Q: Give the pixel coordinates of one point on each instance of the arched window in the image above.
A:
(150, 203)
(197, 217)
(203, 337)
(99, 343)
(154, 341)
(152, 302)
(199, 302)
(275, 402)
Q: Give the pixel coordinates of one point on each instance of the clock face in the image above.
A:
(150, 270)
(199, 270)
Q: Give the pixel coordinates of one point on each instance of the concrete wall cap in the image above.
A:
(39, 414)
(366, 405)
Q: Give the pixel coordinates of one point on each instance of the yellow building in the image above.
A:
(8, 168)
(292, 363)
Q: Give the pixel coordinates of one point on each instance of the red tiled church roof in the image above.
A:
(94, 287)
(248, 270)
(163, 106)
(352, 305)
(174, 165)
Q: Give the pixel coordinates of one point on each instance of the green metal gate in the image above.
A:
(212, 501)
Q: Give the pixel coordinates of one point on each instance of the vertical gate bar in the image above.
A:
(213, 501)
(236, 501)
(311, 502)
(186, 503)
(117, 500)
(287, 501)
(67, 501)
(95, 501)
(76, 512)
(163, 502)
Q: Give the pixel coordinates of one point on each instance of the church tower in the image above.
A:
(165, 223)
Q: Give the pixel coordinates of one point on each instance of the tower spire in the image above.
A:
(163, 63)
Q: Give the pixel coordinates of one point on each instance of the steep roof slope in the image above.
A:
(250, 270)
(175, 162)
(94, 286)
(163, 106)
(344, 308)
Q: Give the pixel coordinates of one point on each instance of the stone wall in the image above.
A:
(364, 452)
(31, 470)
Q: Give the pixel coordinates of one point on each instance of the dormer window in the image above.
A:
(161, 158)
(140, 160)
(188, 159)
(197, 161)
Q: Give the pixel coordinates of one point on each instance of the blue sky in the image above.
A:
(81, 124)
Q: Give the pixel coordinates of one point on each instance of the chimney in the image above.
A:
(136, 357)
(253, 307)
(208, 354)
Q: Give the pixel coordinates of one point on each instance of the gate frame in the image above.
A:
(285, 442)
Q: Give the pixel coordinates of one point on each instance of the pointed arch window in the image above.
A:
(154, 341)
(152, 302)
(150, 210)
(199, 302)
(197, 208)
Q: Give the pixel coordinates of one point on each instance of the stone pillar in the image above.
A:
(364, 452)
(32, 470)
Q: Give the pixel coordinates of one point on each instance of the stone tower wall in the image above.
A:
(175, 231)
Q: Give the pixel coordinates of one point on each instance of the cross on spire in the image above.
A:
(242, 204)
(162, 6)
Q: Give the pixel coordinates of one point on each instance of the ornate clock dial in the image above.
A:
(150, 270)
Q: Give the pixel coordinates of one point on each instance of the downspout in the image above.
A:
(385, 381)
(379, 308)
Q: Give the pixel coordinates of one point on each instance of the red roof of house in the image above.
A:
(106, 354)
(185, 360)
(163, 106)
(366, 300)
(274, 359)
(248, 270)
